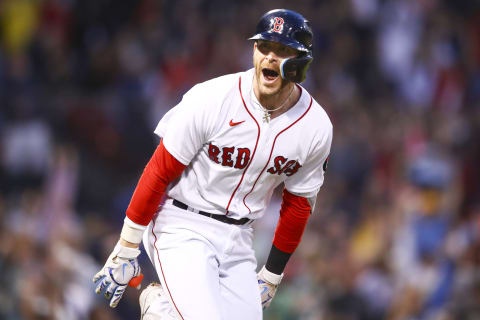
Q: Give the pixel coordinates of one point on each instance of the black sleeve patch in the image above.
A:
(325, 165)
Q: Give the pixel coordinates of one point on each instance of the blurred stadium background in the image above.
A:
(396, 231)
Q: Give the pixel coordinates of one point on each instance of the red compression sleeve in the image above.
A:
(294, 215)
(162, 169)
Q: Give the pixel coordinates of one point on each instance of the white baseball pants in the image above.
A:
(206, 267)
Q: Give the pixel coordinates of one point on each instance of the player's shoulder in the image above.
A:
(316, 114)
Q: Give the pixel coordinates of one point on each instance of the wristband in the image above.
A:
(277, 260)
(132, 232)
(270, 277)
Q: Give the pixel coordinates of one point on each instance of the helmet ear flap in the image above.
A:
(295, 69)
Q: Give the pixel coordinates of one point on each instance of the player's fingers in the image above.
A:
(99, 282)
(98, 276)
(117, 296)
(101, 285)
(110, 289)
(267, 302)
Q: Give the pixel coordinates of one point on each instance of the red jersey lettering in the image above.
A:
(213, 152)
(243, 157)
(292, 170)
(283, 165)
(277, 165)
(227, 156)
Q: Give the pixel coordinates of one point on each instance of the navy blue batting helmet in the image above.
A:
(293, 30)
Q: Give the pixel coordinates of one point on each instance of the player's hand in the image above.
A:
(268, 283)
(120, 269)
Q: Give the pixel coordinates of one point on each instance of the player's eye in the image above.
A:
(263, 47)
(286, 51)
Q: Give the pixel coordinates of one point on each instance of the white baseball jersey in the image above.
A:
(234, 158)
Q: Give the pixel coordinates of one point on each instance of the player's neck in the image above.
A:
(279, 102)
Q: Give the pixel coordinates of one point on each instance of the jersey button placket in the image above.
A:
(258, 165)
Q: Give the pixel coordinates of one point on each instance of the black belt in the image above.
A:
(218, 217)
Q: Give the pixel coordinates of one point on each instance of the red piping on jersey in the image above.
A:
(161, 269)
(254, 150)
(271, 151)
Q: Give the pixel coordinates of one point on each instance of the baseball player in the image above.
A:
(223, 150)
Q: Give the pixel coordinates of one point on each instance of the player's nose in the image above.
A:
(271, 56)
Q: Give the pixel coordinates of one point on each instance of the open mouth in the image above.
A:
(269, 74)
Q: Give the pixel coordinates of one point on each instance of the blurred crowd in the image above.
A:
(396, 229)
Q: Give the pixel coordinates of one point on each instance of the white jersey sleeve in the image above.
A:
(310, 177)
(187, 126)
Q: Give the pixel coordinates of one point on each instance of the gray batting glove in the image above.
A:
(121, 267)
(268, 283)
